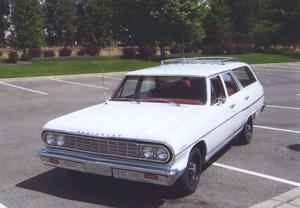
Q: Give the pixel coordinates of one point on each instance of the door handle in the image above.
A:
(247, 97)
(232, 106)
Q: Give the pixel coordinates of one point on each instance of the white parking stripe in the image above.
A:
(277, 129)
(283, 107)
(2, 206)
(23, 88)
(293, 183)
(78, 83)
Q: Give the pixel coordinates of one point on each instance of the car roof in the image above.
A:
(183, 69)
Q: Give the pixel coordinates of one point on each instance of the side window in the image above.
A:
(217, 89)
(231, 85)
(245, 76)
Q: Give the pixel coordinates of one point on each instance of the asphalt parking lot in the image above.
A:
(239, 176)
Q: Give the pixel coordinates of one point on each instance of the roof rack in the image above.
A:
(200, 60)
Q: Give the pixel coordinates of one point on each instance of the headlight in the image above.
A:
(162, 154)
(60, 140)
(50, 139)
(148, 152)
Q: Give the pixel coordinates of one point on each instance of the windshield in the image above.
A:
(168, 89)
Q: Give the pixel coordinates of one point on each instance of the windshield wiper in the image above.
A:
(163, 100)
(128, 99)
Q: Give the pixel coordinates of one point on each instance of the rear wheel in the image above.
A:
(245, 136)
(189, 180)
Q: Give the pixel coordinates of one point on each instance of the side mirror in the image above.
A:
(221, 100)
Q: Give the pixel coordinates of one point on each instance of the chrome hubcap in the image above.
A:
(193, 172)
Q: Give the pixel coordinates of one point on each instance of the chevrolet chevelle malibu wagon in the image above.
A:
(160, 125)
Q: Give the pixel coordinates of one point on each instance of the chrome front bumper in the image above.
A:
(109, 167)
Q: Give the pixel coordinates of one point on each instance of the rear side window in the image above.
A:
(244, 75)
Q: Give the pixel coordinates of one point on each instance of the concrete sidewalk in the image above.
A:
(290, 199)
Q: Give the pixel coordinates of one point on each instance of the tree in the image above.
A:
(27, 21)
(159, 21)
(94, 22)
(4, 12)
(218, 23)
(60, 21)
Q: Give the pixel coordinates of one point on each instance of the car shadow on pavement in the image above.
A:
(102, 190)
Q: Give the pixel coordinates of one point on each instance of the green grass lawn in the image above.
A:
(65, 66)
(79, 65)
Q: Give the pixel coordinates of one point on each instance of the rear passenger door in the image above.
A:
(252, 91)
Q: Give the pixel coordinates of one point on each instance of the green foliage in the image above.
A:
(27, 20)
(94, 22)
(4, 23)
(218, 23)
(263, 32)
(60, 22)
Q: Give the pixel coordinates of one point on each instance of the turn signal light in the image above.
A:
(151, 176)
(54, 161)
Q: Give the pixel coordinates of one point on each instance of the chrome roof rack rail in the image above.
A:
(200, 60)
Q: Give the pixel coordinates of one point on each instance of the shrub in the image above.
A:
(217, 50)
(92, 50)
(229, 48)
(49, 53)
(146, 52)
(240, 48)
(64, 52)
(25, 57)
(35, 52)
(81, 52)
(189, 48)
(13, 57)
(1, 52)
(257, 49)
(249, 47)
(129, 53)
(175, 49)
(207, 50)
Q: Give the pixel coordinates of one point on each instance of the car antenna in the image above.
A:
(103, 84)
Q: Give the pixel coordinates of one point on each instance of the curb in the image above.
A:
(290, 199)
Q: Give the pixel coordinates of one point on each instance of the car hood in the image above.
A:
(153, 122)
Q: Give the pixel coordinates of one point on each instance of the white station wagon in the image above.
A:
(160, 125)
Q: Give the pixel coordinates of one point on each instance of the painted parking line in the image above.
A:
(23, 88)
(78, 83)
(2, 206)
(282, 107)
(261, 175)
(298, 94)
(277, 129)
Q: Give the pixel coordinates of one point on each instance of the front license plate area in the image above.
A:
(86, 167)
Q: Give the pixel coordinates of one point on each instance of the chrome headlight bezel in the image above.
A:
(157, 150)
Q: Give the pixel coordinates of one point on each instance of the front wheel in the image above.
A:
(247, 132)
(189, 180)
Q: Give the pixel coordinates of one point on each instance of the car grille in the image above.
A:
(103, 146)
